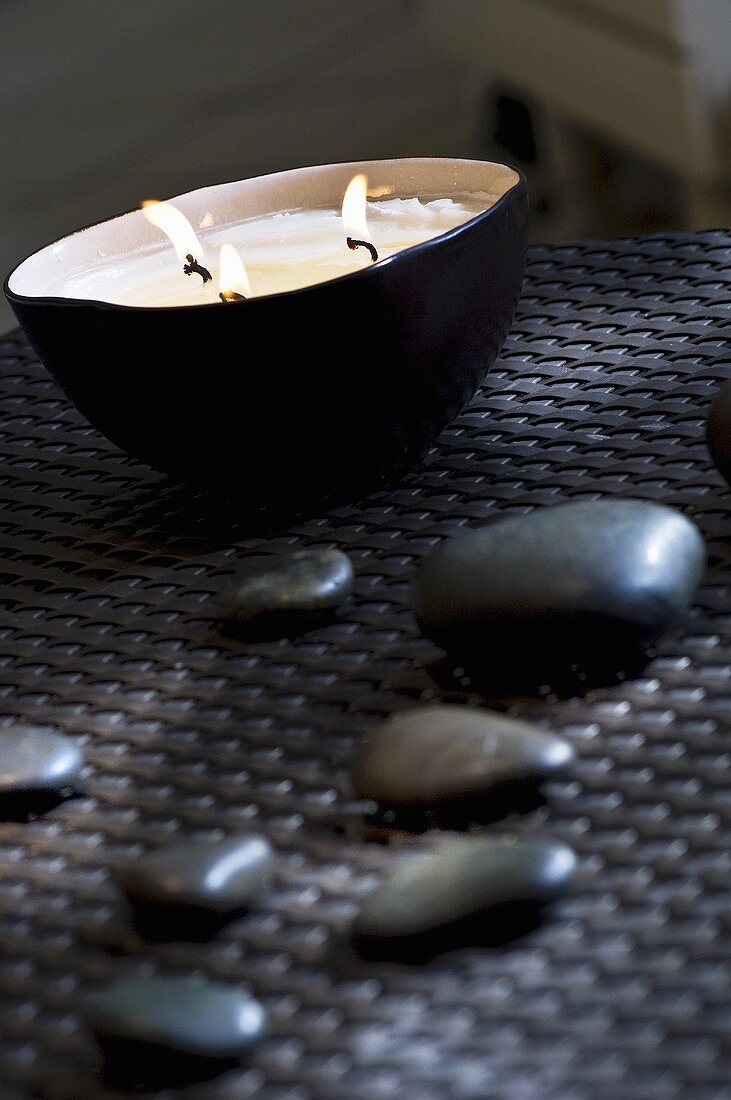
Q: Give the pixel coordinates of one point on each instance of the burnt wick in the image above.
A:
(231, 296)
(352, 244)
(194, 268)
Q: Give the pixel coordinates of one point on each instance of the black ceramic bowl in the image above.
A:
(299, 397)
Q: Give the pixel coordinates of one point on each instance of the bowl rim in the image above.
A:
(361, 274)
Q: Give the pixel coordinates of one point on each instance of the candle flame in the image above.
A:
(177, 227)
(232, 273)
(354, 208)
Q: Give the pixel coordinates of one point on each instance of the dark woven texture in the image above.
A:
(108, 630)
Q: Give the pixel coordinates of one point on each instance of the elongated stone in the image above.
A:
(566, 584)
(220, 876)
(428, 754)
(36, 761)
(183, 1015)
(301, 584)
(462, 879)
(718, 430)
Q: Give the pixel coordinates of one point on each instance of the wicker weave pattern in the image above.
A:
(108, 630)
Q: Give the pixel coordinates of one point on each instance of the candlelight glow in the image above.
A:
(177, 227)
(232, 273)
(354, 208)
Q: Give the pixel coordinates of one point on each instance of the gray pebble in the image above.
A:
(301, 584)
(428, 754)
(462, 879)
(718, 430)
(218, 876)
(36, 761)
(562, 584)
(183, 1015)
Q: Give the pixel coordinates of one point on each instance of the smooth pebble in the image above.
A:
(182, 1015)
(718, 430)
(428, 754)
(301, 584)
(218, 876)
(562, 585)
(464, 878)
(35, 761)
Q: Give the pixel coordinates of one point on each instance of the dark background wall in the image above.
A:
(617, 110)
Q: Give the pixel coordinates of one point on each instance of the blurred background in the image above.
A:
(619, 111)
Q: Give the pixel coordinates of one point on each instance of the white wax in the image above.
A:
(282, 251)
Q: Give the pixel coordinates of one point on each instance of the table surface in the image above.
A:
(108, 630)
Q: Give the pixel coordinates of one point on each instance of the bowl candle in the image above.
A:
(232, 277)
(355, 201)
(321, 373)
(282, 251)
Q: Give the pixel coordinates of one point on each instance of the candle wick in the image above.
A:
(193, 266)
(352, 244)
(231, 296)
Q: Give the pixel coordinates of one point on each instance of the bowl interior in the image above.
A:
(43, 274)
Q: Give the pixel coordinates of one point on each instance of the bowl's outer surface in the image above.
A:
(295, 398)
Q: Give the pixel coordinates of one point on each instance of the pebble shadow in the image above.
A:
(144, 1067)
(386, 823)
(168, 924)
(274, 627)
(25, 806)
(497, 929)
(508, 680)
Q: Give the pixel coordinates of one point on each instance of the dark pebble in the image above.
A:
(220, 877)
(718, 430)
(302, 585)
(562, 586)
(462, 879)
(37, 764)
(181, 1015)
(429, 754)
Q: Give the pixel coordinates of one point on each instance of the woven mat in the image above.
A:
(108, 630)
